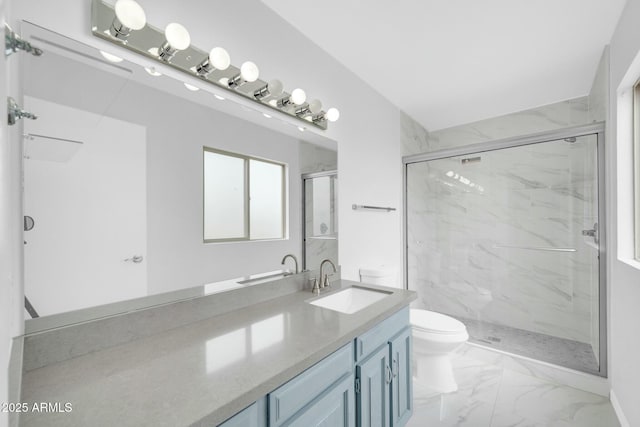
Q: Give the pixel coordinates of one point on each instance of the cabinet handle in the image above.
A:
(388, 373)
(395, 369)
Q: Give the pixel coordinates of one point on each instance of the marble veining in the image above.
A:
(496, 392)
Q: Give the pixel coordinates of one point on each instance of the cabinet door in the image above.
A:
(401, 386)
(333, 408)
(372, 394)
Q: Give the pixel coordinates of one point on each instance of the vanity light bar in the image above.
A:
(125, 25)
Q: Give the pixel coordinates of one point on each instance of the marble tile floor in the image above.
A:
(559, 351)
(490, 395)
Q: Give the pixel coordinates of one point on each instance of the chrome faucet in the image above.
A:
(294, 260)
(324, 279)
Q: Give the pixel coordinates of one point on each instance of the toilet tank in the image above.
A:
(378, 276)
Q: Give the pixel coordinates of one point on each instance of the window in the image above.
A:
(636, 166)
(244, 197)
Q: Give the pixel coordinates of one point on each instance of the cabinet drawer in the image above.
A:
(294, 395)
(379, 334)
(333, 408)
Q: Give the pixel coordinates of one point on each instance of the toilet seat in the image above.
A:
(436, 323)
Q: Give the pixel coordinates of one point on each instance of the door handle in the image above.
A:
(394, 368)
(592, 233)
(388, 374)
(135, 259)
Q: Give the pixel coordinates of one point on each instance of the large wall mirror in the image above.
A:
(113, 179)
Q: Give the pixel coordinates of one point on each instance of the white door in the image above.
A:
(85, 187)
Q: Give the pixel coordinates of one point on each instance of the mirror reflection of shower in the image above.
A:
(320, 218)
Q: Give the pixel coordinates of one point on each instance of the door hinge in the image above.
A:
(357, 385)
(15, 112)
(13, 43)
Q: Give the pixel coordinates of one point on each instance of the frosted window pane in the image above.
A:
(224, 210)
(266, 194)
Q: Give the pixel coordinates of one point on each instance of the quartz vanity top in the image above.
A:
(204, 372)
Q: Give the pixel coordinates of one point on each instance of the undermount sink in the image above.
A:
(350, 300)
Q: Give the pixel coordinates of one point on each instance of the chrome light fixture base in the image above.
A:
(188, 61)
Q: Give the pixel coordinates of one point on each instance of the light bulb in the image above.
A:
(332, 114)
(312, 108)
(298, 96)
(177, 36)
(191, 87)
(249, 71)
(273, 88)
(218, 59)
(315, 106)
(130, 14)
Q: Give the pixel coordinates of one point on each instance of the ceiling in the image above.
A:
(449, 62)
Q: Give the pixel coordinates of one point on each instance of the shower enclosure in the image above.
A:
(508, 237)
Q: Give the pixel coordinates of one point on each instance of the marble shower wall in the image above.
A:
(469, 224)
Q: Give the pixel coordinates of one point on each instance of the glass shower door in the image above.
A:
(507, 242)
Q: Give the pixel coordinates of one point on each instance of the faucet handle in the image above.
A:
(326, 282)
(315, 288)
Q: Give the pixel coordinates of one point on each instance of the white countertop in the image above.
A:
(203, 372)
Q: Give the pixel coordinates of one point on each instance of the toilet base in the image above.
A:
(436, 372)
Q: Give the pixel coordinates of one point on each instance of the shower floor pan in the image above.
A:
(558, 351)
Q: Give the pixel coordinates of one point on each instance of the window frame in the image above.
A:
(247, 199)
(636, 169)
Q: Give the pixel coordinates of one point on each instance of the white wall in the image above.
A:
(624, 275)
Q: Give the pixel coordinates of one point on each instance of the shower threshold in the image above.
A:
(558, 351)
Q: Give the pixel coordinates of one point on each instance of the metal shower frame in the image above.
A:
(597, 129)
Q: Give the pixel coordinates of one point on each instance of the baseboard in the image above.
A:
(618, 410)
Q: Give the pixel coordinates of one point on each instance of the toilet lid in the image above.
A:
(435, 322)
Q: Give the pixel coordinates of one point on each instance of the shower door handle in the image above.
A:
(137, 259)
(592, 233)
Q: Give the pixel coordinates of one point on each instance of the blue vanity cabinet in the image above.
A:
(401, 384)
(366, 383)
(384, 391)
(333, 408)
(318, 391)
(373, 377)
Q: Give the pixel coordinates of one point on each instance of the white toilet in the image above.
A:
(435, 338)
